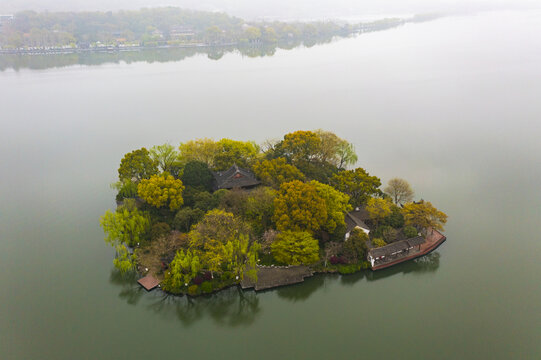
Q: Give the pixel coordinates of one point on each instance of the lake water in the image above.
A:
(452, 105)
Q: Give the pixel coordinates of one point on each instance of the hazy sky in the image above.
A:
(283, 9)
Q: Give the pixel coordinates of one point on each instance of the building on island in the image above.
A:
(395, 252)
(233, 178)
(355, 219)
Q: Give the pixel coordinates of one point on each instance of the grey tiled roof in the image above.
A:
(234, 177)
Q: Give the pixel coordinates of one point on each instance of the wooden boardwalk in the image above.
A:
(149, 282)
(272, 276)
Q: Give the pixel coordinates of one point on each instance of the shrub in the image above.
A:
(355, 246)
(348, 269)
(410, 231)
(128, 190)
(335, 260)
(197, 280)
(206, 287)
(193, 290)
(378, 242)
(295, 248)
(207, 276)
(395, 218)
(158, 230)
(186, 217)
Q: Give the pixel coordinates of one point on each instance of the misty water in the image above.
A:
(452, 105)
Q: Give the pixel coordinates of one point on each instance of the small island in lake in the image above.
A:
(213, 214)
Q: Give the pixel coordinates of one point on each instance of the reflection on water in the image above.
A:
(45, 61)
(425, 264)
(234, 307)
(301, 292)
(230, 307)
(131, 291)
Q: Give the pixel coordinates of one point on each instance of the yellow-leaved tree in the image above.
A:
(378, 209)
(423, 215)
(299, 207)
(162, 190)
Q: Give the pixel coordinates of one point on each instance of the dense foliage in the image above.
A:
(295, 248)
(162, 190)
(137, 165)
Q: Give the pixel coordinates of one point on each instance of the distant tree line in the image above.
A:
(162, 26)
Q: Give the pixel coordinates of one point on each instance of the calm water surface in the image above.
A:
(451, 105)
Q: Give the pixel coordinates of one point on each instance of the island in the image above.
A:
(211, 214)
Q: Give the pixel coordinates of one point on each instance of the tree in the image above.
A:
(137, 165)
(346, 154)
(300, 147)
(276, 172)
(162, 190)
(182, 270)
(424, 216)
(399, 190)
(124, 226)
(186, 217)
(220, 155)
(355, 247)
(358, 184)
(166, 156)
(378, 242)
(197, 174)
(378, 209)
(336, 203)
(409, 232)
(298, 207)
(336, 151)
(230, 152)
(224, 242)
(217, 226)
(124, 261)
(295, 248)
(203, 150)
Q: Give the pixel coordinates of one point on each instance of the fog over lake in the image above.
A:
(452, 105)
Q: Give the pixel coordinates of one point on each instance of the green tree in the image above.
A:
(162, 190)
(230, 152)
(378, 242)
(217, 226)
(186, 217)
(137, 165)
(197, 174)
(184, 267)
(300, 147)
(299, 207)
(276, 172)
(423, 215)
(203, 150)
(355, 246)
(295, 248)
(124, 226)
(409, 232)
(124, 261)
(336, 203)
(336, 151)
(378, 209)
(399, 190)
(166, 156)
(358, 184)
